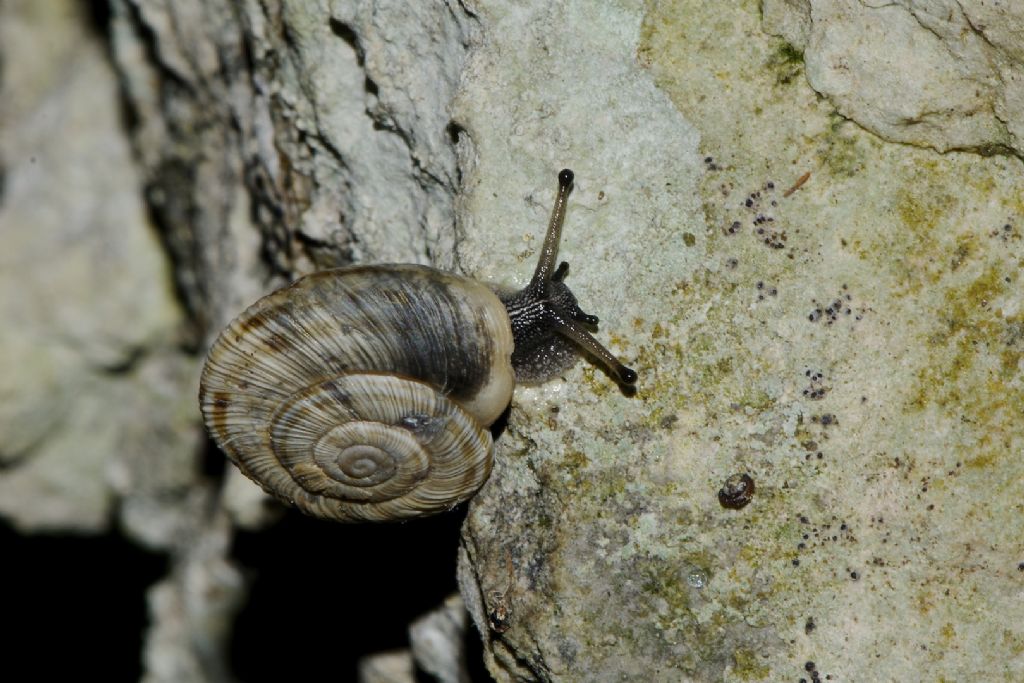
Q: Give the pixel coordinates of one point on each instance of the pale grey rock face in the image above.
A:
(807, 302)
(438, 641)
(437, 650)
(374, 97)
(839, 318)
(191, 610)
(388, 667)
(89, 316)
(942, 74)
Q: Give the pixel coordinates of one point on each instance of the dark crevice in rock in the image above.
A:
(348, 34)
(75, 584)
(170, 199)
(97, 15)
(353, 589)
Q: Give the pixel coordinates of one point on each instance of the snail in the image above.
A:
(366, 392)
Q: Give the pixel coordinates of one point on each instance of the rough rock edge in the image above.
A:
(91, 321)
(942, 129)
(239, 123)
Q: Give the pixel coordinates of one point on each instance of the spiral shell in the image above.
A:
(363, 393)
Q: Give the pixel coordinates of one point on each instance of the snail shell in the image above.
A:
(363, 393)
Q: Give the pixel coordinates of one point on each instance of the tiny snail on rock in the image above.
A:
(366, 392)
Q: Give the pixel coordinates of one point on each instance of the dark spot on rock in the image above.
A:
(737, 491)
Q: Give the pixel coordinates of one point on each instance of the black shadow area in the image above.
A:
(325, 594)
(75, 606)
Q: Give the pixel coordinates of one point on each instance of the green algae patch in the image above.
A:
(786, 62)
(748, 666)
(974, 354)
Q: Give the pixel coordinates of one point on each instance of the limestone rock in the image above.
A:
(839, 319)
(388, 667)
(438, 642)
(833, 315)
(89, 316)
(191, 611)
(941, 74)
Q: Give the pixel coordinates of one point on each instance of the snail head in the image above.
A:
(548, 326)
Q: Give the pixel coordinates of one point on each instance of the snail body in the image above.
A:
(366, 392)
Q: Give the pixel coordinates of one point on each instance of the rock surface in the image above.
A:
(807, 301)
(944, 74)
(840, 319)
(438, 641)
(91, 380)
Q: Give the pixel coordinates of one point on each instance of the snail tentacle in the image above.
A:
(547, 323)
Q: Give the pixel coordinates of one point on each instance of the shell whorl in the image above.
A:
(363, 393)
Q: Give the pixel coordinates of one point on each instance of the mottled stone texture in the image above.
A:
(807, 299)
(308, 121)
(839, 318)
(946, 74)
(92, 385)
